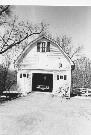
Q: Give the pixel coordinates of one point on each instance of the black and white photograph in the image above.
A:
(45, 70)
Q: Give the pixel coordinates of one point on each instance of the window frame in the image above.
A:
(61, 76)
(24, 75)
(43, 46)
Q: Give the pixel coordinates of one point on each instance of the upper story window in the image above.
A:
(43, 47)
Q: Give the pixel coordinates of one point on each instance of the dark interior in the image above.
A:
(42, 82)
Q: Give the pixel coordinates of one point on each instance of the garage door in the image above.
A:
(42, 82)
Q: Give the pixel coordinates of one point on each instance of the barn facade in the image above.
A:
(43, 66)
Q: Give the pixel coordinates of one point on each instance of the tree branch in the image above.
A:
(18, 42)
(4, 9)
(5, 43)
(76, 51)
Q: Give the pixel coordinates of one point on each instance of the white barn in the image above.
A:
(43, 66)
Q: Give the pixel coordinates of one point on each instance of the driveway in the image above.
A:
(43, 114)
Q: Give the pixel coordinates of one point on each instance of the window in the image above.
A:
(65, 77)
(24, 75)
(57, 77)
(43, 47)
(61, 77)
(20, 75)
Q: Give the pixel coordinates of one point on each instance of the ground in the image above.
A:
(42, 114)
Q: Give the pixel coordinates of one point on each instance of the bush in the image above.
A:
(7, 79)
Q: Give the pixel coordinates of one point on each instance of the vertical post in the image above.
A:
(87, 92)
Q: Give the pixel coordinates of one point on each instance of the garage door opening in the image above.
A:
(42, 82)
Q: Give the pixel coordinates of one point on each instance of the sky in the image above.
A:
(74, 21)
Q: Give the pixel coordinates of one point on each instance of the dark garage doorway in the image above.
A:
(42, 82)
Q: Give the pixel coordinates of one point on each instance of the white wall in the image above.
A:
(24, 83)
(48, 60)
(61, 82)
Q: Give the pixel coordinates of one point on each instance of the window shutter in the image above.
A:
(20, 75)
(57, 77)
(48, 47)
(65, 77)
(38, 47)
(27, 75)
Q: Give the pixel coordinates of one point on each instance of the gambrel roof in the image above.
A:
(43, 36)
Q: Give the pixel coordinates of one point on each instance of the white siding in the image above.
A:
(24, 83)
(45, 60)
(61, 82)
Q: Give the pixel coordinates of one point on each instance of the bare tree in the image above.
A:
(81, 76)
(17, 33)
(5, 13)
(14, 39)
(5, 9)
(66, 43)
